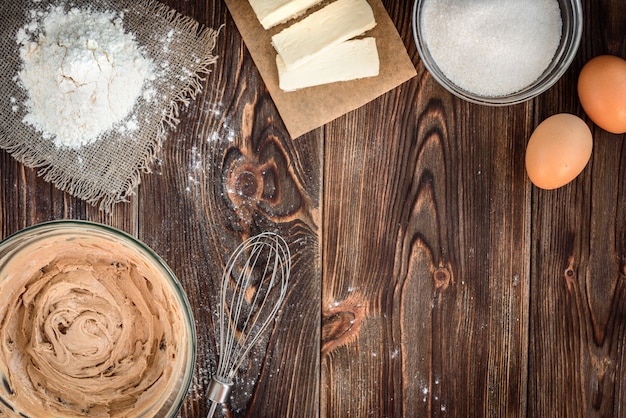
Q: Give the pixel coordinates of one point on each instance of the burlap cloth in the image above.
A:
(108, 171)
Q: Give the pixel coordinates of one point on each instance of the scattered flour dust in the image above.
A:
(82, 73)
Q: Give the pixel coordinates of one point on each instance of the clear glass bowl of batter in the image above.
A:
(92, 323)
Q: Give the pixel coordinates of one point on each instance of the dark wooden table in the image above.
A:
(429, 276)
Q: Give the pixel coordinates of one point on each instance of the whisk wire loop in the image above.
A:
(253, 287)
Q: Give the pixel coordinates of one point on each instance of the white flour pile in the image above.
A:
(82, 73)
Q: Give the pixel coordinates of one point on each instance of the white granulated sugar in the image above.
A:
(492, 47)
(82, 73)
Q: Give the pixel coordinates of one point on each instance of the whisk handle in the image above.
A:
(219, 389)
(212, 410)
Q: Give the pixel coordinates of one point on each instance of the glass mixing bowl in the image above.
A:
(92, 322)
(571, 32)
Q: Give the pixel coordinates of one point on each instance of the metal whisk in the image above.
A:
(254, 285)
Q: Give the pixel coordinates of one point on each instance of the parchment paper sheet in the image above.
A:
(307, 109)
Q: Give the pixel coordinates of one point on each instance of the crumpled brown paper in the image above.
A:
(107, 171)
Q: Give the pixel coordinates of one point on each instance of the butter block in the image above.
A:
(350, 60)
(323, 29)
(274, 12)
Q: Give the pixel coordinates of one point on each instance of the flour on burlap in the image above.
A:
(82, 73)
(108, 170)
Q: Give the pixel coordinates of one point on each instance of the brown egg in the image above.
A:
(558, 150)
(602, 92)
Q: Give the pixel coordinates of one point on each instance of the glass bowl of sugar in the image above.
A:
(497, 52)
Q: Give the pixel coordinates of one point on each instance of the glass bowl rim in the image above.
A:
(551, 75)
(186, 313)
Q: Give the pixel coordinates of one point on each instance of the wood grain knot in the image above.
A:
(341, 323)
(246, 184)
(441, 276)
(257, 181)
(569, 275)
